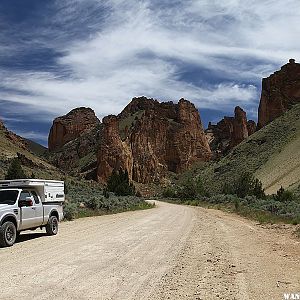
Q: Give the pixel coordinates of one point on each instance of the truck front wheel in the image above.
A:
(8, 234)
(52, 226)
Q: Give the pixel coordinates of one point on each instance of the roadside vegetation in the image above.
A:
(244, 196)
(85, 199)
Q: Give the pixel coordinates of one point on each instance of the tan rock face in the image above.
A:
(79, 155)
(251, 126)
(113, 152)
(240, 130)
(149, 138)
(71, 126)
(279, 92)
(136, 105)
(230, 132)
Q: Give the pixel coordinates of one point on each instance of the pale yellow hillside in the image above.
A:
(282, 169)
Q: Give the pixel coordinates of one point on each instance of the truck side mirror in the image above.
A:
(27, 202)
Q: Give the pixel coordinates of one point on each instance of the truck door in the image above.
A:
(39, 210)
(27, 212)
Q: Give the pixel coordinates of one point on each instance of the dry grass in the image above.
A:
(282, 169)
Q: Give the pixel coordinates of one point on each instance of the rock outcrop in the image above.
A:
(251, 127)
(113, 152)
(229, 132)
(71, 126)
(73, 142)
(149, 139)
(279, 92)
(79, 156)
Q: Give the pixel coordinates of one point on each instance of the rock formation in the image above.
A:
(229, 132)
(79, 156)
(71, 126)
(113, 152)
(73, 142)
(279, 92)
(240, 128)
(149, 138)
(251, 127)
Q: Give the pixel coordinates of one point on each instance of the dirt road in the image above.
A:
(169, 252)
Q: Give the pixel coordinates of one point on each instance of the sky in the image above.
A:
(56, 55)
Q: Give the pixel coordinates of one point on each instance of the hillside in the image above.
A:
(11, 145)
(35, 148)
(271, 154)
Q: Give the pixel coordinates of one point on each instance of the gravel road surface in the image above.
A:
(168, 252)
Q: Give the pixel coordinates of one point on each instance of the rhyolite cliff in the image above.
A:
(71, 126)
(279, 92)
(229, 132)
(73, 142)
(150, 139)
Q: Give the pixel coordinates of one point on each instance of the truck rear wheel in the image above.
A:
(52, 226)
(8, 234)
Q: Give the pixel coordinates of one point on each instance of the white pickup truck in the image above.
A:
(28, 204)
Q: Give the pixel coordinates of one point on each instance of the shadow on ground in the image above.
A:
(29, 236)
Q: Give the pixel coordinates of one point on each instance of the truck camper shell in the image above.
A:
(50, 191)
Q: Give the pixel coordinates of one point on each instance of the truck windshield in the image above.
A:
(8, 197)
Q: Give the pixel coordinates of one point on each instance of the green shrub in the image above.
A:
(169, 192)
(70, 211)
(284, 196)
(94, 203)
(247, 185)
(187, 190)
(200, 187)
(227, 189)
(138, 194)
(119, 183)
(236, 204)
(106, 193)
(66, 186)
(15, 170)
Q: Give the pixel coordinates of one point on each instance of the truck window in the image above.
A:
(8, 197)
(35, 197)
(24, 195)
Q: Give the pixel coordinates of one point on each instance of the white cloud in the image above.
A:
(139, 48)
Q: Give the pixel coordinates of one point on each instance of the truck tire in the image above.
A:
(8, 234)
(52, 226)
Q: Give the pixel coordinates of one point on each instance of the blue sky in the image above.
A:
(58, 55)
